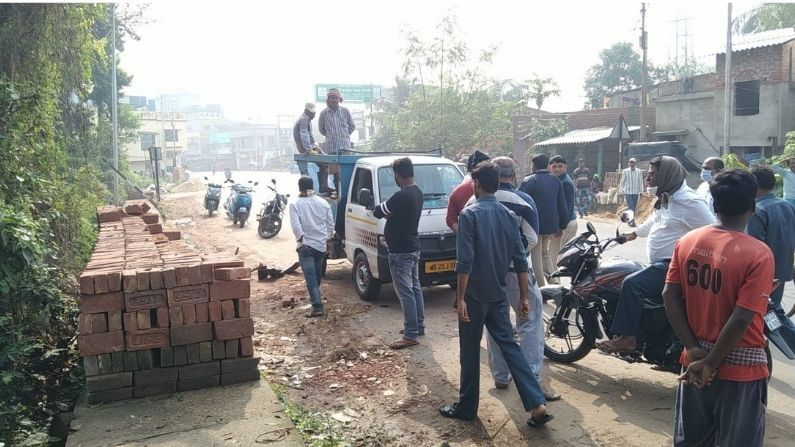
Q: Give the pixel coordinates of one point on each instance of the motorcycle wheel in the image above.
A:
(565, 342)
(243, 219)
(269, 227)
(210, 212)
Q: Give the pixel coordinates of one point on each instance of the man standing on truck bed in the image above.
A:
(402, 212)
(335, 123)
(305, 143)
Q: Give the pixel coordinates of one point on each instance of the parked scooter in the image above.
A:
(584, 312)
(212, 198)
(272, 214)
(238, 204)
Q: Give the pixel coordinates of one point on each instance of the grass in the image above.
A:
(314, 429)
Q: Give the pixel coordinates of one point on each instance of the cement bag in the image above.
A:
(612, 195)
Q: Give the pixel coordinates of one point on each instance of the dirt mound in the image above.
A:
(192, 185)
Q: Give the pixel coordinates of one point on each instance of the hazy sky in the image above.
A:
(261, 59)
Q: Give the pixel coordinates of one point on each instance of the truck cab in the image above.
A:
(365, 181)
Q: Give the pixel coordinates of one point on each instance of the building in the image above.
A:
(166, 130)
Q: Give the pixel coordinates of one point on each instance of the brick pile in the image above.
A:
(156, 317)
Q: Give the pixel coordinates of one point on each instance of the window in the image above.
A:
(436, 182)
(746, 98)
(148, 140)
(363, 179)
(172, 135)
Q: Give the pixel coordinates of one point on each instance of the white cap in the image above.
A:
(310, 106)
(632, 160)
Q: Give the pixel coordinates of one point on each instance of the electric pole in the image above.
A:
(727, 87)
(643, 91)
(114, 112)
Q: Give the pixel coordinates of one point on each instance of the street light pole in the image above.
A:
(114, 111)
(643, 91)
(727, 88)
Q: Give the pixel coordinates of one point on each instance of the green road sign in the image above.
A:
(350, 92)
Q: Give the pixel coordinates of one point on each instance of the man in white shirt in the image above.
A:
(709, 169)
(313, 226)
(678, 210)
(631, 185)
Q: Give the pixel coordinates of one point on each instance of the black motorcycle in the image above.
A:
(212, 198)
(272, 214)
(583, 313)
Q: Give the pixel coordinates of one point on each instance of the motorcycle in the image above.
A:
(584, 312)
(238, 204)
(272, 213)
(212, 198)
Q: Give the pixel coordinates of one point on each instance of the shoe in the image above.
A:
(451, 411)
(314, 313)
(501, 386)
(549, 395)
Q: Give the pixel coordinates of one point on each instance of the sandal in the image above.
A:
(451, 411)
(539, 422)
(403, 343)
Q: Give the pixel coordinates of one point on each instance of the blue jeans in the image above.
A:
(494, 315)
(405, 271)
(646, 284)
(531, 332)
(311, 261)
(632, 203)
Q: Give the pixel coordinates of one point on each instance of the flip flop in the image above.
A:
(540, 422)
(403, 343)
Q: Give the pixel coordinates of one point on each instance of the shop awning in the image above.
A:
(670, 132)
(581, 136)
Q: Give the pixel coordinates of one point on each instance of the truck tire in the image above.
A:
(366, 286)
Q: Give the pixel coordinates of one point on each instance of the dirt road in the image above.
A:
(340, 368)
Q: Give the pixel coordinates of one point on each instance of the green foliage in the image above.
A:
(672, 72)
(543, 129)
(315, 430)
(765, 17)
(620, 69)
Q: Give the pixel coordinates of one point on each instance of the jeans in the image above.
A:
(584, 206)
(311, 261)
(494, 315)
(643, 284)
(632, 203)
(531, 332)
(405, 271)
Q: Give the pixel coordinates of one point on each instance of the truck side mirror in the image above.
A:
(366, 198)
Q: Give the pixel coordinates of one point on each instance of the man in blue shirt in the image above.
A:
(773, 223)
(489, 232)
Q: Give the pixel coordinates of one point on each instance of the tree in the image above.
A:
(620, 68)
(765, 17)
(539, 89)
(671, 72)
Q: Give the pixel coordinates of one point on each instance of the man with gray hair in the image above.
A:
(530, 329)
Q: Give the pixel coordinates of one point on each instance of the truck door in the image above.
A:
(361, 226)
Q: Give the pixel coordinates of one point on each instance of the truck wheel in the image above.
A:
(366, 286)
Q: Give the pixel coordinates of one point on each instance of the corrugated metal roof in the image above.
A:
(760, 40)
(582, 136)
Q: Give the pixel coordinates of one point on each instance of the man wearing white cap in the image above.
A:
(302, 134)
(631, 185)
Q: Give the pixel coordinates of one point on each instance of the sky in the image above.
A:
(260, 59)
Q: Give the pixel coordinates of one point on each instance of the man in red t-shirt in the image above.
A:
(463, 192)
(716, 293)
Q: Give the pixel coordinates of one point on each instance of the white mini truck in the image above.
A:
(365, 180)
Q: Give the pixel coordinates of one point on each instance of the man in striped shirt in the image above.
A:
(335, 123)
(631, 185)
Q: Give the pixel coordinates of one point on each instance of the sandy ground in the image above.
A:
(340, 367)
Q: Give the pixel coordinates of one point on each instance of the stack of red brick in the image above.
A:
(156, 317)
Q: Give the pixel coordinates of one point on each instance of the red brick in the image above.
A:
(114, 321)
(189, 314)
(183, 278)
(228, 309)
(156, 279)
(130, 281)
(173, 235)
(169, 278)
(207, 273)
(191, 333)
(232, 348)
(221, 263)
(105, 302)
(144, 320)
(130, 321)
(150, 218)
(237, 328)
(147, 299)
(214, 307)
(154, 228)
(86, 284)
(243, 308)
(230, 273)
(114, 282)
(202, 313)
(229, 290)
(84, 324)
(99, 323)
(143, 281)
(195, 275)
(162, 317)
(246, 347)
(175, 316)
(147, 339)
(101, 343)
(101, 283)
(180, 296)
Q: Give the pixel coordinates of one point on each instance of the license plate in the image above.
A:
(771, 321)
(439, 266)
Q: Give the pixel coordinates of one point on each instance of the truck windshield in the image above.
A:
(435, 181)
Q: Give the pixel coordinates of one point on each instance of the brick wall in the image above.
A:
(765, 64)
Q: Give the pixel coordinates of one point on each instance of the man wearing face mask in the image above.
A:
(709, 169)
(677, 211)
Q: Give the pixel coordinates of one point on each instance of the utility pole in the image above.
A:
(727, 87)
(114, 112)
(644, 40)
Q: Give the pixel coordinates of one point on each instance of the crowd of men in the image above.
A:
(713, 256)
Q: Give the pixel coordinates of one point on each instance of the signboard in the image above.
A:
(350, 92)
(620, 131)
